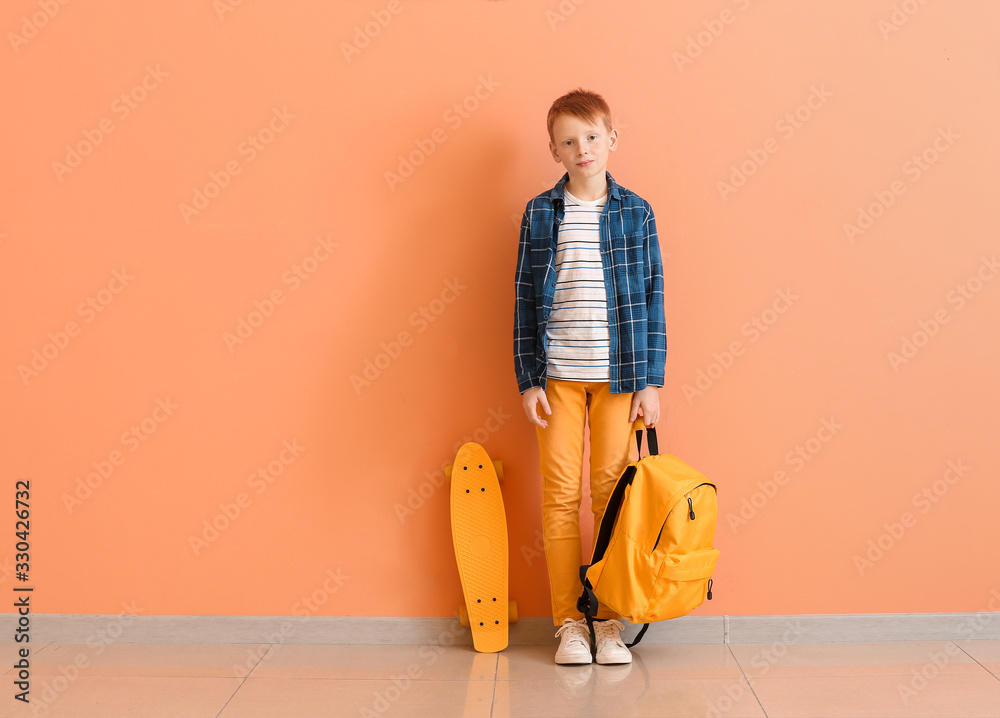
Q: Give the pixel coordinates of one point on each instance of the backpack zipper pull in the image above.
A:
(709, 589)
(690, 508)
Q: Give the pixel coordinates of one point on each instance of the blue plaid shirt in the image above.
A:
(633, 280)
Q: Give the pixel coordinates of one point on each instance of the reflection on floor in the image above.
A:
(938, 679)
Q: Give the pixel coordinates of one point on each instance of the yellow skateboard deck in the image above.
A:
(479, 532)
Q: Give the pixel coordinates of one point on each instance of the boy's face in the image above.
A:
(582, 147)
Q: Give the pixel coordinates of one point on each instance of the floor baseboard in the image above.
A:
(349, 630)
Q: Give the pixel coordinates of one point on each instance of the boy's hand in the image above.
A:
(646, 403)
(530, 399)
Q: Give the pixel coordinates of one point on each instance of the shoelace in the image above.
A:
(603, 629)
(575, 631)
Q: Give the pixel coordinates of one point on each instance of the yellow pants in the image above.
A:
(560, 448)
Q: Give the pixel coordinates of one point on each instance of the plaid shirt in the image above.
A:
(633, 280)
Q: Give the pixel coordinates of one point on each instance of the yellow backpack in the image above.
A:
(654, 558)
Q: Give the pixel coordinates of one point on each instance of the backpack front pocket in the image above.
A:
(681, 584)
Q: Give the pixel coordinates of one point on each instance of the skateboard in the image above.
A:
(479, 533)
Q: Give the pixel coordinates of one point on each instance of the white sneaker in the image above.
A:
(574, 646)
(610, 647)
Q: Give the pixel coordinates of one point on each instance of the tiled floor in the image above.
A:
(939, 679)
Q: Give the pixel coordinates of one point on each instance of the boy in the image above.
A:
(589, 338)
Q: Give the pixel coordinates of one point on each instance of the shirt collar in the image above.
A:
(556, 193)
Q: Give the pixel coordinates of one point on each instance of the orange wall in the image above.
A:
(133, 302)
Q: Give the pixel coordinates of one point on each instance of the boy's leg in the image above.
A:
(611, 442)
(560, 450)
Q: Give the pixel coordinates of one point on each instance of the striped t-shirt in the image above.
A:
(577, 330)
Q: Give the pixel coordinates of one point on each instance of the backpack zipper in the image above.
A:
(690, 517)
(659, 535)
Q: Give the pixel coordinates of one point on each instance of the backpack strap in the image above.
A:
(610, 516)
(651, 444)
(587, 604)
(638, 636)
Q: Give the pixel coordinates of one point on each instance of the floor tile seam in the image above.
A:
(36, 650)
(987, 674)
(493, 695)
(661, 679)
(765, 678)
(995, 674)
(455, 618)
(746, 679)
(192, 644)
(865, 675)
(235, 677)
(494, 680)
(142, 675)
(270, 648)
(381, 679)
(876, 642)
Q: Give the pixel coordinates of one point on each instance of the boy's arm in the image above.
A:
(525, 324)
(656, 340)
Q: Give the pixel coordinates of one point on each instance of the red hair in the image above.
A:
(587, 105)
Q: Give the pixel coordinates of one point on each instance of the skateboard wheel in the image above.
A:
(447, 474)
(463, 616)
(511, 611)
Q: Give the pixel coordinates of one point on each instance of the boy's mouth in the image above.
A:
(584, 164)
